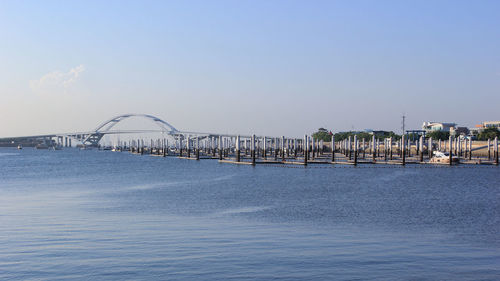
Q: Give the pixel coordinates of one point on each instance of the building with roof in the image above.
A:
(438, 126)
(489, 124)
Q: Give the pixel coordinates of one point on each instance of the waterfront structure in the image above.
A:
(286, 150)
(489, 124)
(438, 126)
(459, 131)
(484, 125)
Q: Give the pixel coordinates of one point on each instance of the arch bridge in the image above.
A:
(105, 128)
(92, 138)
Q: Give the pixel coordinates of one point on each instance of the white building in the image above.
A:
(438, 126)
(490, 124)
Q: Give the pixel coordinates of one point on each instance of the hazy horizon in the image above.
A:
(269, 68)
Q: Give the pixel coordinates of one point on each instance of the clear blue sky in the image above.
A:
(264, 67)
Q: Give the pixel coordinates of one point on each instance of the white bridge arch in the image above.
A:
(105, 127)
(164, 126)
(92, 138)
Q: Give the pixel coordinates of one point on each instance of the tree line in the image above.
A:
(326, 136)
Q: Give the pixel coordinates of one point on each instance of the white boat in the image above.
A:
(19, 146)
(443, 158)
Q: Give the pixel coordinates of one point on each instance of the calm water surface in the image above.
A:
(99, 215)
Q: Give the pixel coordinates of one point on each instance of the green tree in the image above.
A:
(392, 135)
(364, 135)
(322, 134)
(488, 133)
(439, 135)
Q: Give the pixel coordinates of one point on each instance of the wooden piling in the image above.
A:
(496, 150)
(470, 149)
(378, 148)
(390, 147)
(421, 148)
(295, 147)
(238, 148)
(429, 147)
(197, 148)
(451, 150)
(275, 146)
(456, 146)
(385, 149)
(333, 149)
(283, 148)
(489, 149)
(164, 148)
(309, 148)
(349, 148)
(264, 150)
(253, 149)
(306, 145)
(374, 150)
(403, 148)
(289, 145)
(219, 146)
(364, 148)
(355, 150)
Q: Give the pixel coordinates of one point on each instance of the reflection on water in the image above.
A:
(74, 214)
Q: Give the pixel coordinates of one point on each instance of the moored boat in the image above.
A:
(443, 158)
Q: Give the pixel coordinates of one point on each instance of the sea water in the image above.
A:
(102, 215)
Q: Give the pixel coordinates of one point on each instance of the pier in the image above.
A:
(255, 150)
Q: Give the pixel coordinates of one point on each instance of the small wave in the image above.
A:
(143, 186)
(153, 185)
(221, 178)
(8, 153)
(176, 183)
(244, 210)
